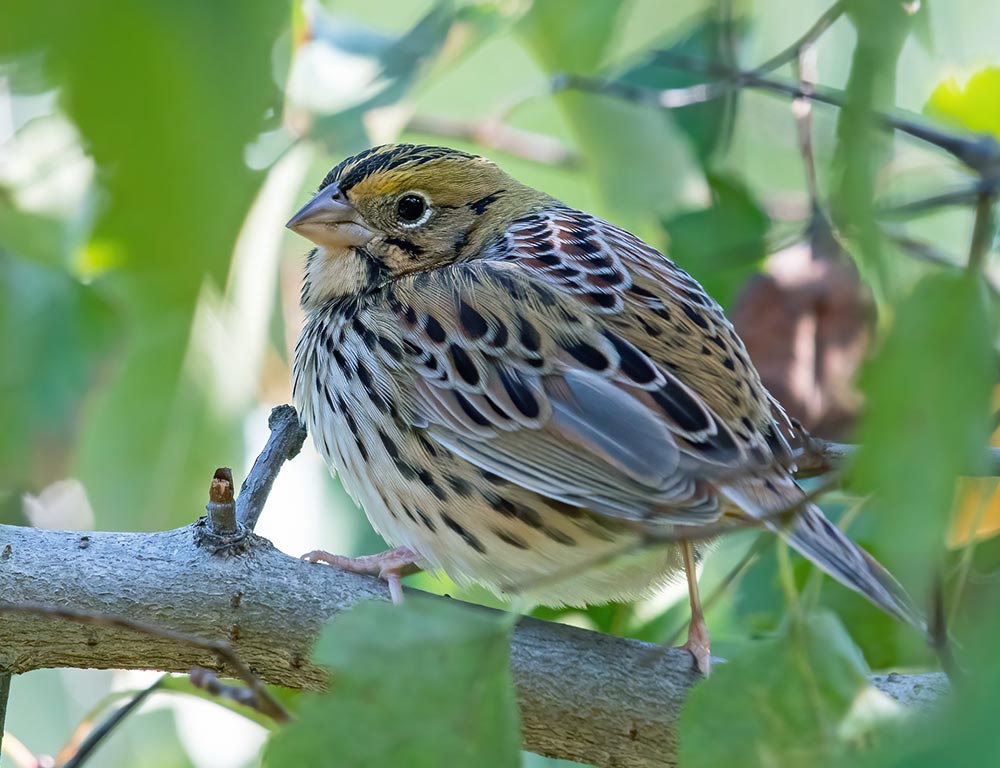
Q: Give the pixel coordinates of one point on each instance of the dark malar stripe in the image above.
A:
(378, 272)
(411, 249)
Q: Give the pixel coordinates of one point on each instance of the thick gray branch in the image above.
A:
(584, 696)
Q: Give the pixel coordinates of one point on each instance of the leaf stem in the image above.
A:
(982, 233)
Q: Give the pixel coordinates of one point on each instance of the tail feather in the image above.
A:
(813, 536)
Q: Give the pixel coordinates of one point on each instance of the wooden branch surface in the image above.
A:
(583, 695)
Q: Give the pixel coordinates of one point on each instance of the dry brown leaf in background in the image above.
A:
(807, 321)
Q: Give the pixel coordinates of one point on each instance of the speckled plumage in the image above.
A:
(511, 387)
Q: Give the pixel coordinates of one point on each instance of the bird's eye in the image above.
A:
(411, 208)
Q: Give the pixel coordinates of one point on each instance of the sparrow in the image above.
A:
(524, 395)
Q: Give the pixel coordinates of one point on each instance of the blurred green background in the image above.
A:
(150, 153)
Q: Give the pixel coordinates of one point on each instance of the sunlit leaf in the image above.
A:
(975, 106)
(424, 684)
(780, 702)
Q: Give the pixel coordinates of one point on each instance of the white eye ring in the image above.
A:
(426, 214)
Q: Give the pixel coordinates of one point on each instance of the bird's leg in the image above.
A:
(390, 565)
(697, 642)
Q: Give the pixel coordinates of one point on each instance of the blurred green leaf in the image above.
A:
(961, 731)
(630, 153)
(550, 25)
(424, 684)
(709, 125)
(57, 334)
(32, 236)
(387, 68)
(778, 703)
(863, 146)
(724, 244)
(927, 416)
(976, 106)
(166, 96)
(884, 642)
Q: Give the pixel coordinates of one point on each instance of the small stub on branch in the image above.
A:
(221, 506)
(219, 530)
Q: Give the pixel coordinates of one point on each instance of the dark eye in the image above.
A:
(410, 208)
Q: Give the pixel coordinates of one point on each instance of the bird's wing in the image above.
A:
(534, 374)
(656, 306)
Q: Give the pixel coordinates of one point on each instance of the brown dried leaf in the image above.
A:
(807, 321)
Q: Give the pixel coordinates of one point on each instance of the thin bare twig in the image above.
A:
(729, 76)
(493, 134)
(960, 197)
(15, 750)
(4, 698)
(208, 681)
(284, 443)
(817, 457)
(802, 110)
(982, 232)
(809, 37)
(980, 152)
(223, 651)
(937, 631)
(102, 731)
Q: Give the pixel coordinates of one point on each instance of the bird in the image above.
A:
(524, 395)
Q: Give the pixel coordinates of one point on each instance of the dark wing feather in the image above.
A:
(526, 380)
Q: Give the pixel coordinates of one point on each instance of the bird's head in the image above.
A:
(403, 208)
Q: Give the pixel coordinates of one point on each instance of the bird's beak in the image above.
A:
(331, 221)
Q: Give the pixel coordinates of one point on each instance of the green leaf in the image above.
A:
(927, 416)
(722, 245)
(367, 69)
(166, 96)
(423, 685)
(778, 703)
(632, 157)
(567, 37)
(976, 106)
(57, 334)
(863, 146)
(884, 642)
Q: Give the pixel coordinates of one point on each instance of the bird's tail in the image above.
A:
(812, 535)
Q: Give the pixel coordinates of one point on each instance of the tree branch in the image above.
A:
(584, 696)
(979, 152)
(174, 600)
(494, 134)
(818, 457)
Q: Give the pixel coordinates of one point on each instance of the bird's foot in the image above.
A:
(390, 565)
(698, 645)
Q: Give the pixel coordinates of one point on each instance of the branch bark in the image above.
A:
(584, 696)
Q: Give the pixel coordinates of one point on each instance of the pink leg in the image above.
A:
(390, 565)
(697, 641)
